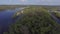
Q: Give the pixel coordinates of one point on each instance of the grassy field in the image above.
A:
(3, 7)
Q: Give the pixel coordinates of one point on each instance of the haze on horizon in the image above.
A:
(29, 2)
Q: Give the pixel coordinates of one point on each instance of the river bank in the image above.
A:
(6, 19)
(57, 14)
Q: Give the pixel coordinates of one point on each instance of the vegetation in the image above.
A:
(36, 20)
(57, 14)
(3, 7)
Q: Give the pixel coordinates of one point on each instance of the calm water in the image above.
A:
(6, 19)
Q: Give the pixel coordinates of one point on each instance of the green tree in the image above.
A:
(36, 20)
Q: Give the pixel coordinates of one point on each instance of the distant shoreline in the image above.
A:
(3, 7)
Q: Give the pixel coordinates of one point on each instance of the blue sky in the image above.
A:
(28, 2)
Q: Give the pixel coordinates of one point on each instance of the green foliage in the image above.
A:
(36, 20)
(57, 14)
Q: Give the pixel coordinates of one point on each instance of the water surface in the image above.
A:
(6, 18)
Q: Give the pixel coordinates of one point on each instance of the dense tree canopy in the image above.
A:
(36, 20)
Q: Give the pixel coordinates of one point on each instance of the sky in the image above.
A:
(29, 2)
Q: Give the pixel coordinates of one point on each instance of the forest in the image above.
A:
(35, 20)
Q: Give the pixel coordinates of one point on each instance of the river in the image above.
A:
(6, 19)
(54, 17)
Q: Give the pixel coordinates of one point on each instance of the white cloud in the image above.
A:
(47, 0)
(23, 0)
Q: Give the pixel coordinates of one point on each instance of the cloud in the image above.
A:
(23, 0)
(47, 0)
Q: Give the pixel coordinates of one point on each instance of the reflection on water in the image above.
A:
(6, 19)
